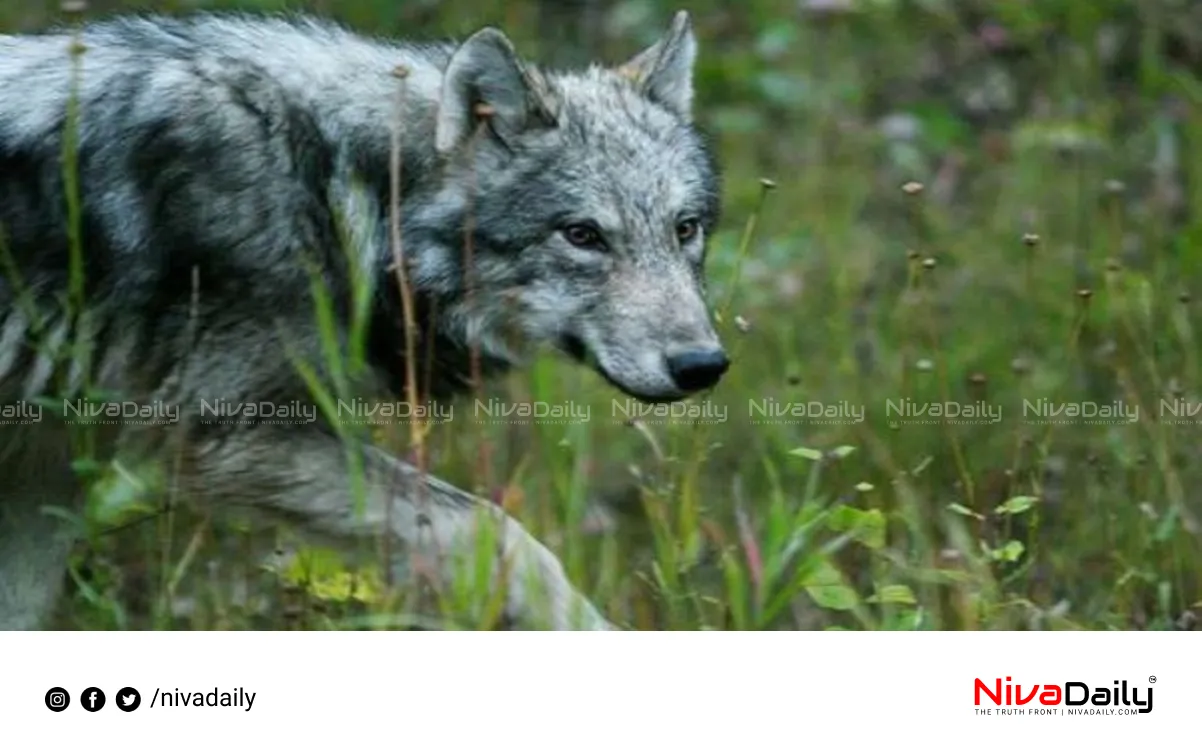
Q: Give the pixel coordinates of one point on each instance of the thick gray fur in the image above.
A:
(216, 156)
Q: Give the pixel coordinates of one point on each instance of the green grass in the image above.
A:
(1053, 253)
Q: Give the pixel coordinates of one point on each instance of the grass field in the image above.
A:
(992, 208)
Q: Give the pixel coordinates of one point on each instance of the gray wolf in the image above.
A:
(222, 166)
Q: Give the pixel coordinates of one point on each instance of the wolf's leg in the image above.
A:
(34, 545)
(34, 548)
(302, 476)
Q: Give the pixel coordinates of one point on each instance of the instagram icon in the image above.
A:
(57, 699)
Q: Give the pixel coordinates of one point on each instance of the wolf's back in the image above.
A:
(195, 161)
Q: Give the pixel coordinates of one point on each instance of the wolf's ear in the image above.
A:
(486, 71)
(664, 71)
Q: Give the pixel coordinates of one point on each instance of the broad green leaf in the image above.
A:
(866, 527)
(1010, 551)
(894, 594)
(1017, 504)
(805, 453)
(964, 511)
(828, 589)
(835, 598)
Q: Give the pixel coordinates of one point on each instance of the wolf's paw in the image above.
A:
(540, 594)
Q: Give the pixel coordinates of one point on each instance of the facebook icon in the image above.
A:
(92, 699)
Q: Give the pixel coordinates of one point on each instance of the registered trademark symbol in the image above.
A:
(1151, 679)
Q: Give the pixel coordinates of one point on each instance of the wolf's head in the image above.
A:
(589, 197)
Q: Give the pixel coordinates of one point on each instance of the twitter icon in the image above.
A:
(128, 699)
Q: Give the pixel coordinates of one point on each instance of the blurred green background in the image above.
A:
(1049, 246)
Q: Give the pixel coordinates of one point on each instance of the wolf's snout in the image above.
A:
(693, 371)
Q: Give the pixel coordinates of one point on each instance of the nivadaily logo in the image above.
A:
(1069, 698)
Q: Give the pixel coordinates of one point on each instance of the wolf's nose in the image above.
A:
(698, 370)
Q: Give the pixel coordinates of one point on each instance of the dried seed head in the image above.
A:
(1113, 265)
(1114, 187)
(742, 324)
(400, 72)
(767, 184)
(913, 255)
(1085, 293)
(1183, 297)
(483, 111)
(924, 365)
(1030, 239)
(76, 48)
(978, 379)
(1020, 365)
(912, 188)
(928, 263)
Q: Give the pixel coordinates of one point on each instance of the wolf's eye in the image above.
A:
(687, 229)
(584, 236)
